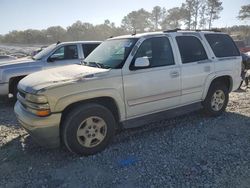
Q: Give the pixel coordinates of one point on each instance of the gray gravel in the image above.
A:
(188, 151)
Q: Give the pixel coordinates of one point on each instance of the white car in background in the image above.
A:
(55, 55)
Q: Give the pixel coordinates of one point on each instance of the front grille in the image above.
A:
(22, 94)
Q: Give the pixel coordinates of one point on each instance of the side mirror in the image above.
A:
(50, 60)
(142, 62)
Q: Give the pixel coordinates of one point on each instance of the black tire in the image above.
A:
(14, 89)
(207, 103)
(241, 83)
(73, 121)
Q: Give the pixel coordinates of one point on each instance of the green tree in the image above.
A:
(244, 12)
(157, 16)
(214, 7)
(203, 18)
(56, 33)
(137, 21)
(198, 5)
(188, 8)
(173, 18)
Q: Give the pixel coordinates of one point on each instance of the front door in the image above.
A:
(157, 87)
(64, 55)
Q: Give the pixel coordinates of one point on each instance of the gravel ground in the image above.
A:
(188, 151)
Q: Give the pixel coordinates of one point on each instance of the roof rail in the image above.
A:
(172, 30)
(197, 30)
(214, 30)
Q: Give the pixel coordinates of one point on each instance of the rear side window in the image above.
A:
(191, 49)
(222, 45)
(88, 48)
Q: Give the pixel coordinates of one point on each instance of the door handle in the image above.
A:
(174, 74)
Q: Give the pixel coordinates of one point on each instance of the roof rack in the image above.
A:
(172, 30)
(197, 30)
(214, 30)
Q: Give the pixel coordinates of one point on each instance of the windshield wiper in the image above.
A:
(95, 64)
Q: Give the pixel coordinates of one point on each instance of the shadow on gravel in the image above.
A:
(188, 148)
(26, 144)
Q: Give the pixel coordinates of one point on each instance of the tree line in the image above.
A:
(192, 15)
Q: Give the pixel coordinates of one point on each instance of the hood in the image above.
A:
(58, 76)
(16, 63)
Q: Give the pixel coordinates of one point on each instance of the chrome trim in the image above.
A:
(204, 61)
(192, 90)
(152, 98)
(227, 58)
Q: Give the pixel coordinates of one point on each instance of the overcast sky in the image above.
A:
(40, 14)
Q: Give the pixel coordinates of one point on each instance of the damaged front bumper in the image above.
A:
(45, 130)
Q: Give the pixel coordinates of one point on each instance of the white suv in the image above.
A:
(125, 82)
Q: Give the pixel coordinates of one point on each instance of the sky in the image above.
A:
(41, 14)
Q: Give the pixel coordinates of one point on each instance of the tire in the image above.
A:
(212, 106)
(14, 90)
(241, 83)
(88, 129)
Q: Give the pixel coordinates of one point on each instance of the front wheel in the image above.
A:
(216, 100)
(88, 129)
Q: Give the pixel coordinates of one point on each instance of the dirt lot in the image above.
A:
(188, 151)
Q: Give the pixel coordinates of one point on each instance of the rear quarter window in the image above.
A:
(222, 45)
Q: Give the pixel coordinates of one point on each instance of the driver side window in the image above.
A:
(158, 51)
(65, 53)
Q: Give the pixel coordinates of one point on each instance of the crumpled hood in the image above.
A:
(57, 76)
(16, 63)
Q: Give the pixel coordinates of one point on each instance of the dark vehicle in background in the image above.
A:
(245, 67)
(242, 46)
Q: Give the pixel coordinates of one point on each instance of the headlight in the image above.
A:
(36, 104)
(39, 99)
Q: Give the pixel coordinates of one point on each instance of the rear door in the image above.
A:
(196, 66)
(226, 55)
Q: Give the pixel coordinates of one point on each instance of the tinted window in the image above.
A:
(158, 50)
(191, 49)
(222, 45)
(88, 48)
(66, 52)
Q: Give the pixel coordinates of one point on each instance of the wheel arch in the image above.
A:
(13, 81)
(225, 79)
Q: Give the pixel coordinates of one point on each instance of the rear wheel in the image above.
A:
(88, 129)
(216, 100)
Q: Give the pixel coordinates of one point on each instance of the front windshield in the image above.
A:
(44, 52)
(111, 53)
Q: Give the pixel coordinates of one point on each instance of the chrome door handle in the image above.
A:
(174, 74)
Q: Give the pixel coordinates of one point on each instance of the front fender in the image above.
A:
(67, 100)
(20, 71)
